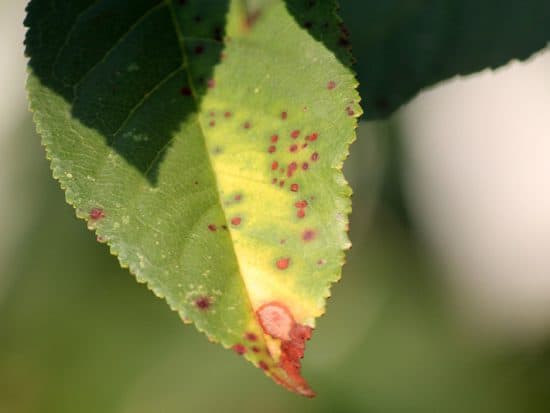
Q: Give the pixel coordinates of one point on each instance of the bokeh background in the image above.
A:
(444, 304)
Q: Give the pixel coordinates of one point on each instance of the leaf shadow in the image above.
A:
(318, 18)
(132, 70)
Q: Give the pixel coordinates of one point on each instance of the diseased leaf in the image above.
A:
(203, 142)
(403, 46)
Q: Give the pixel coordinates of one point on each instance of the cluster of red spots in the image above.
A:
(350, 111)
(284, 115)
(239, 349)
(212, 227)
(236, 221)
(203, 303)
(293, 166)
(331, 85)
(277, 321)
(283, 263)
(308, 235)
(96, 214)
(185, 91)
(301, 207)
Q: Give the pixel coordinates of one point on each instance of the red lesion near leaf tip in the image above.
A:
(277, 322)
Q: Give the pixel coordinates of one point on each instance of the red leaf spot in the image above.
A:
(301, 213)
(212, 227)
(211, 83)
(236, 221)
(313, 137)
(308, 235)
(331, 85)
(291, 168)
(212, 123)
(185, 91)
(272, 149)
(239, 349)
(350, 111)
(305, 166)
(314, 156)
(251, 336)
(283, 263)
(295, 133)
(321, 262)
(284, 115)
(246, 125)
(282, 183)
(203, 303)
(274, 165)
(294, 187)
(96, 214)
(238, 197)
(293, 148)
(301, 204)
(263, 365)
(275, 320)
(274, 138)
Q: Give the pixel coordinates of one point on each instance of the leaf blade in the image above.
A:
(177, 179)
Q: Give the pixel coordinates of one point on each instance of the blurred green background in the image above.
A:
(78, 334)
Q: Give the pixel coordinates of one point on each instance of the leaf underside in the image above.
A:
(403, 46)
(203, 141)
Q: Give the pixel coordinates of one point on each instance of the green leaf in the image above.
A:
(203, 141)
(403, 46)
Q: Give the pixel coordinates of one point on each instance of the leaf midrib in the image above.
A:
(181, 43)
